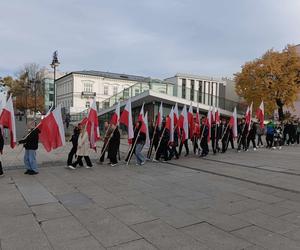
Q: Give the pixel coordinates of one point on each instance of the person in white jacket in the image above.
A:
(82, 149)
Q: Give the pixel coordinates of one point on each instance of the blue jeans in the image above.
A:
(138, 153)
(30, 160)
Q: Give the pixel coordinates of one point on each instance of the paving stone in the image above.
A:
(49, 211)
(274, 210)
(215, 238)
(106, 228)
(134, 245)
(293, 218)
(267, 222)
(63, 229)
(22, 232)
(220, 220)
(34, 193)
(130, 214)
(86, 243)
(266, 239)
(76, 199)
(163, 236)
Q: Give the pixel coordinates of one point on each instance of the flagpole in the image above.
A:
(130, 155)
(159, 143)
(224, 132)
(106, 145)
(240, 136)
(151, 145)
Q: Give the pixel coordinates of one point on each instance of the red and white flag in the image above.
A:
(260, 114)
(116, 116)
(52, 132)
(159, 116)
(176, 116)
(217, 116)
(170, 124)
(248, 115)
(145, 118)
(191, 121)
(7, 120)
(233, 123)
(141, 114)
(92, 126)
(184, 124)
(126, 119)
(209, 121)
(198, 115)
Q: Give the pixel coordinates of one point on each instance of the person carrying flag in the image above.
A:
(139, 142)
(74, 140)
(113, 144)
(242, 132)
(204, 134)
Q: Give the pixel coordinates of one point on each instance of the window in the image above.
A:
(87, 86)
(87, 104)
(126, 93)
(115, 90)
(105, 92)
(200, 92)
(192, 89)
(51, 97)
(183, 88)
(136, 91)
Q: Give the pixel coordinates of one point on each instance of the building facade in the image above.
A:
(47, 81)
(76, 90)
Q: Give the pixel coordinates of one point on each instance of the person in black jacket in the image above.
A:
(74, 140)
(242, 132)
(164, 144)
(1, 150)
(252, 135)
(31, 142)
(204, 133)
(113, 145)
(140, 138)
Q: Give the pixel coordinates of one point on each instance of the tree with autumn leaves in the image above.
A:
(23, 86)
(273, 78)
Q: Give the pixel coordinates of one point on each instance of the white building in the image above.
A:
(202, 89)
(76, 90)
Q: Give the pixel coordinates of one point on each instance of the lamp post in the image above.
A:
(55, 63)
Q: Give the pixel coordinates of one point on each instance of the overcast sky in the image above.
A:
(156, 38)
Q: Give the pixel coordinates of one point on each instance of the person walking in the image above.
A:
(270, 134)
(74, 140)
(298, 133)
(251, 135)
(140, 139)
(1, 151)
(113, 145)
(260, 132)
(83, 148)
(242, 132)
(31, 143)
(108, 132)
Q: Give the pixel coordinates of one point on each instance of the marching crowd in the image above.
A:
(161, 140)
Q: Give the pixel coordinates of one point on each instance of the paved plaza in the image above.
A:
(229, 201)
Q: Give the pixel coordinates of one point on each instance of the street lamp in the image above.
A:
(55, 63)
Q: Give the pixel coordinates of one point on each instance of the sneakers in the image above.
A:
(143, 163)
(27, 171)
(254, 149)
(71, 167)
(88, 166)
(113, 164)
(32, 172)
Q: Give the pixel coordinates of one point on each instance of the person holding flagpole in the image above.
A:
(139, 141)
(113, 145)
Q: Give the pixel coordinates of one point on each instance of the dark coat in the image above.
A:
(1, 141)
(31, 141)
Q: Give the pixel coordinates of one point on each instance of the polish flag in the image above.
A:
(198, 115)
(141, 115)
(170, 124)
(92, 126)
(116, 116)
(233, 123)
(248, 115)
(2, 101)
(260, 114)
(145, 118)
(191, 120)
(176, 116)
(7, 120)
(209, 121)
(52, 132)
(126, 119)
(160, 116)
(217, 116)
(184, 124)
